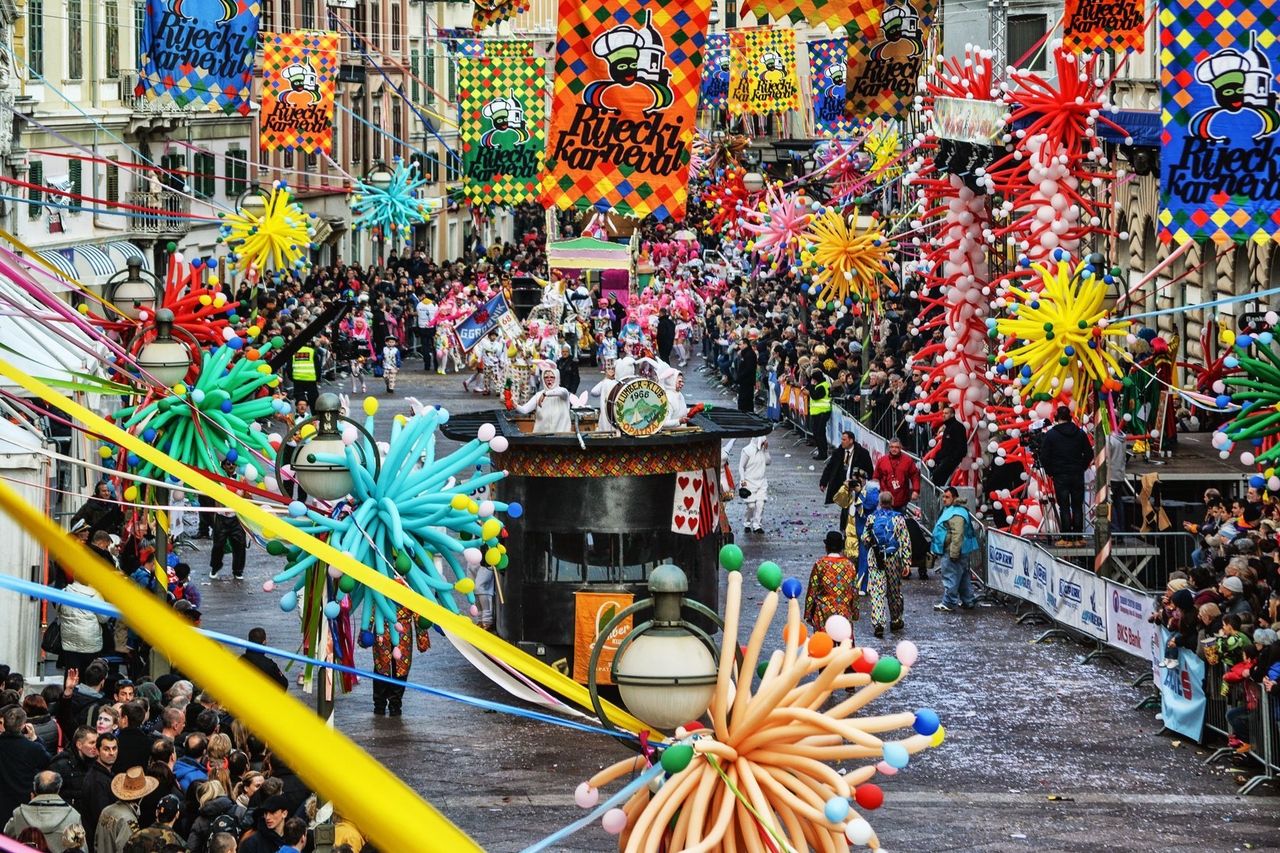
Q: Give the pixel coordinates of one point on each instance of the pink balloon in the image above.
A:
(586, 796)
(614, 821)
(886, 768)
(268, 586)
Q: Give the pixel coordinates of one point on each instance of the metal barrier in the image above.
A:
(1263, 735)
(1146, 559)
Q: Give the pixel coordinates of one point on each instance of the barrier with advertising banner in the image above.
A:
(1182, 700)
(841, 420)
(1070, 595)
(1127, 627)
(1081, 600)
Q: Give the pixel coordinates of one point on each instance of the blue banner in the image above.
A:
(199, 52)
(1182, 698)
(828, 64)
(482, 321)
(715, 73)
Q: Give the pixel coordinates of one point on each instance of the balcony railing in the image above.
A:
(168, 217)
(144, 105)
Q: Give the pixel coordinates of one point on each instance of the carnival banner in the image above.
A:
(828, 63)
(715, 73)
(884, 70)
(493, 12)
(498, 49)
(494, 314)
(1220, 161)
(859, 17)
(626, 94)
(199, 54)
(1105, 25)
(299, 71)
(501, 102)
(762, 71)
(1182, 699)
(468, 47)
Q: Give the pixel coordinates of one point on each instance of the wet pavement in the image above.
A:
(1042, 753)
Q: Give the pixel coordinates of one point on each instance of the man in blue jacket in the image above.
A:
(953, 542)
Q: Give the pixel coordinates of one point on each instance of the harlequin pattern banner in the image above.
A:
(494, 12)
(299, 71)
(884, 69)
(828, 63)
(517, 47)
(857, 16)
(199, 53)
(715, 73)
(502, 104)
(468, 47)
(1105, 25)
(1220, 152)
(762, 71)
(626, 95)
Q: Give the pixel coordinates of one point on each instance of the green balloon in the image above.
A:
(403, 563)
(504, 562)
(761, 667)
(886, 670)
(731, 557)
(676, 758)
(770, 575)
(424, 624)
(275, 547)
(346, 583)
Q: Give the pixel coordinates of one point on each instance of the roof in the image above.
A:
(717, 423)
(588, 253)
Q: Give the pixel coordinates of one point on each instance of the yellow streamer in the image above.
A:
(33, 255)
(276, 528)
(372, 796)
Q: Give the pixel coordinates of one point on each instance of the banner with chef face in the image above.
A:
(762, 71)
(715, 73)
(884, 70)
(828, 63)
(299, 76)
(1220, 161)
(501, 104)
(626, 95)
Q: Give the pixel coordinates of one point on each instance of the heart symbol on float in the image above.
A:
(688, 503)
(680, 521)
(697, 484)
(683, 481)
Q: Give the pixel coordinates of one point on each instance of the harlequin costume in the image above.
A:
(387, 696)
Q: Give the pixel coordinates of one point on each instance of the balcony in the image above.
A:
(169, 218)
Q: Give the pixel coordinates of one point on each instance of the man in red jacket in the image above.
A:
(898, 475)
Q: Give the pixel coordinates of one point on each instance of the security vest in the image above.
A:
(304, 365)
(823, 406)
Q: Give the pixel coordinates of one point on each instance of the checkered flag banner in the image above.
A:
(199, 55)
(1219, 144)
(762, 71)
(884, 70)
(626, 96)
(502, 105)
(715, 73)
(299, 71)
(1105, 25)
(859, 17)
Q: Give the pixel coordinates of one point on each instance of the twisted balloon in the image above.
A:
(847, 263)
(396, 207)
(277, 238)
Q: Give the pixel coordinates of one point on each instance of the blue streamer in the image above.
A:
(582, 823)
(1226, 300)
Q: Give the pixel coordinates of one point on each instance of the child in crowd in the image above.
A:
(390, 363)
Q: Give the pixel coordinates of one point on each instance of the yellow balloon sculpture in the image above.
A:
(884, 145)
(847, 262)
(273, 235)
(1061, 331)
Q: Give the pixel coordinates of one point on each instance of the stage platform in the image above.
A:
(1195, 459)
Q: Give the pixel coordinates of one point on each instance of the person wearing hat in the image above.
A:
(119, 821)
(390, 362)
(228, 532)
(156, 837)
(268, 827)
(1234, 601)
(833, 585)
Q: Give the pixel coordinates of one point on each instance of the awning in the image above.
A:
(60, 260)
(588, 253)
(95, 260)
(126, 250)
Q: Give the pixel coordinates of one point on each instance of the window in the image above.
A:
(730, 15)
(75, 40)
(174, 166)
(357, 130)
(35, 36)
(451, 90)
(430, 76)
(453, 169)
(204, 180)
(113, 180)
(1024, 32)
(286, 14)
(358, 18)
(397, 123)
(395, 28)
(111, 14)
(268, 14)
(375, 23)
(308, 14)
(236, 164)
(601, 557)
(430, 167)
(35, 177)
(75, 172)
(415, 66)
(139, 24)
(375, 150)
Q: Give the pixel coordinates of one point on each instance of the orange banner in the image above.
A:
(591, 612)
(299, 71)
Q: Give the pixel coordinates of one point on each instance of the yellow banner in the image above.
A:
(762, 71)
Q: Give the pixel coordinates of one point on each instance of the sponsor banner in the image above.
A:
(1081, 600)
(299, 71)
(762, 71)
(199, 53)
(841, 420)
(626, 97)
(715, 73)
(1182, 699)
(501, 104)
(1127, 627)
(1010, 565)
(1105, 25)
(884, 69)
(828, 63)
(963, 120)
(592, 611)
(494, 314)
(1220, 158)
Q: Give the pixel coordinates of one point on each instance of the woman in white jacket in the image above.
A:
(753, 481)
(81, 629)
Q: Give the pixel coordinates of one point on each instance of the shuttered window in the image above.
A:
(113, 181)
(75, 169)
(35, 176)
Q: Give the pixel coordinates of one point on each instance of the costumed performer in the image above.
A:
(602, 390)
(550, 405)
(833, 586)
(889, 562)
(394, 659)
(753, 481)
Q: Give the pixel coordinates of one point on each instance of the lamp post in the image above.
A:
(753, 182)
(134, 290)
(380, 178)
(665, 668)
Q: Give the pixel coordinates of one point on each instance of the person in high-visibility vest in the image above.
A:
(302, 367)
(819, 410)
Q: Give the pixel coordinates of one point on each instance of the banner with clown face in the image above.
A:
(884, 70)
(828, 63)
(626, 95)
(762, 71)
(715, 73)
(502, 104)
(299, 72)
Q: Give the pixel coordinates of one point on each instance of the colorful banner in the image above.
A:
(299, 71)
(494, 12)
(592, 611)
(856, 16)
(762, 71)
(501, 102)
(715, 73)
(828, 63)
(1105, 25)
(1182, 699)
(1220, 161)
(494, 314)
(199, 54)
(468, 47)
(626, 94)
(508, 48)
(1128, 626)
(884, 70)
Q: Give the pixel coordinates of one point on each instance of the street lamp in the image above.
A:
(134, 290)
(753, 182)
(252, 200)
(380, 177)
(164, 357)
(319, 465)
(665, 668)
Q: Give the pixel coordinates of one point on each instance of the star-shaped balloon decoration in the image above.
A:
(274, 234)
(778, 224)
(398, 206)
(847, 263)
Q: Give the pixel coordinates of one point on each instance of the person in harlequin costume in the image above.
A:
(833, 586)
(394, 658)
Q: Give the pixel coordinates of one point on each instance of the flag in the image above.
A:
(1220, 152)
(299, 71)
(508, 47)
(199, 53)
(856, 16)
(695, 506)
(762, 71)
(626, 95)
(501, 102)
(828, 63)
(1105, 25)
(468, 47)
(715, 73)
(493, 12)
(884, 70)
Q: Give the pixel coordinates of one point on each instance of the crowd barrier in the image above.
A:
(1260, 730)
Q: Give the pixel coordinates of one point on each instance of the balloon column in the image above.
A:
(847, 262)
(396, 207)
(414, 517)
(278, 237)
(760, 777)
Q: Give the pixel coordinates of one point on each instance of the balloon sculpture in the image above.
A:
(402, 516)
(778, 225)
(1257, 391)
(277, 238)
(761, 776)
(848, 263)
(396, 207)
(199, 307)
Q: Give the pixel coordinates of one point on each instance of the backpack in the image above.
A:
(882, 532)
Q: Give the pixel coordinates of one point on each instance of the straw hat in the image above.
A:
(133, 784)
